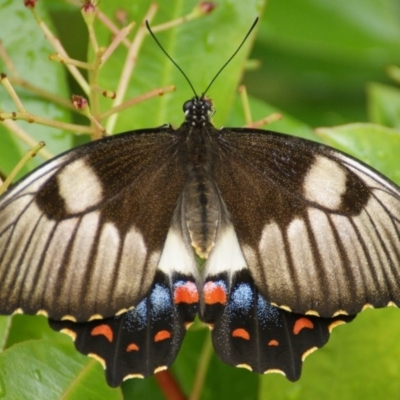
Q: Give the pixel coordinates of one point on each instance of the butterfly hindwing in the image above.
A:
(248, 332)
(83, 234)
(144, 340)
(319, 230)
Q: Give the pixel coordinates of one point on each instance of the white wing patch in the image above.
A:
(327, 248)
(304, 269)
(227, 255)
(134, 248)
(177, 255)
(325, 183)
(46, 273)
(78, 177)
(105, 262)
(301, 250)
(272, 254)
(80, 255)
(14, 252)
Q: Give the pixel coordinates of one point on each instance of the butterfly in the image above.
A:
(294, 238)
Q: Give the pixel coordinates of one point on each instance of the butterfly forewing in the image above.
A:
(83, 234)
(319, 230)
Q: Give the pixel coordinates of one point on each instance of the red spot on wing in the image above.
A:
(214, 293)
(103, 330)
(186, 293)
(132, 347)
(302, 323)
(162, 335)
(242, 333)
(273, 342)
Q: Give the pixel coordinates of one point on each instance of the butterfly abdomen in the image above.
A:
(202, 210)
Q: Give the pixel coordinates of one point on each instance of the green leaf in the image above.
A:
(39, 369)
(28, 50)
(27, 327)
(5, 323)
(316, 56)
(384, 105)
(361, 361)
(376, 145)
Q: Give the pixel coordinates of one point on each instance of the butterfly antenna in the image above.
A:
(231, 57)
(172, 60)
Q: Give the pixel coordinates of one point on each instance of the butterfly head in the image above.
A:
(198, 111)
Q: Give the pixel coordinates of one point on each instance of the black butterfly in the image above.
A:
(296, 238)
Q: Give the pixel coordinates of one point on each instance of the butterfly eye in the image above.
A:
(187, 106)
(208, 105)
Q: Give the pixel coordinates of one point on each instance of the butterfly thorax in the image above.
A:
(202, 205)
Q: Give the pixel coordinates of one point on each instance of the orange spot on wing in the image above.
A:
(214, 293)
(273, 342)
(302, 323)
(162, 335)
(242, 333)
(132, 347)
(103, 330)
(186, 293)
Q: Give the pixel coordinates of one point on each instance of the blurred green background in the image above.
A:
(322, 64)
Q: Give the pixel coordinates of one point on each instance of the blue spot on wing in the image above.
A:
(242, 298)
(161, 301)
(266, 313)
